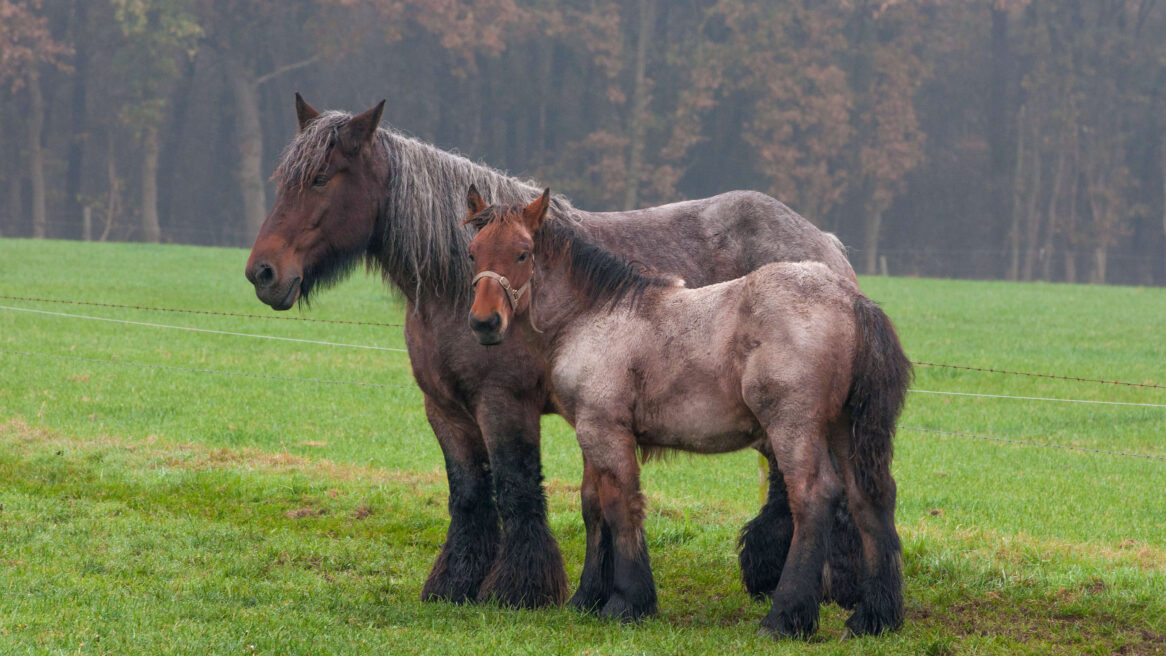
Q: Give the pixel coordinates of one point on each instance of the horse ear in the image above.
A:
(305, 113)
(360, 128)
(474, 207)
(474, 201)
(534, 214)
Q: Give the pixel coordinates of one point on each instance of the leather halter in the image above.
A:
(513, 295)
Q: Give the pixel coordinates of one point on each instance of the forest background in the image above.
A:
(1015, 139)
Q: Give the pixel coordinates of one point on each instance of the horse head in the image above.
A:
(326, 206)
(502, 254)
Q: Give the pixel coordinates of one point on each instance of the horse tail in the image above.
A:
(880, 376)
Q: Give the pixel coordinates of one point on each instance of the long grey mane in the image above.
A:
(423, 247)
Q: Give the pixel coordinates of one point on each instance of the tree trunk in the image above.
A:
(1099, 258)
(1071, 217)
(76, 157)
(1032, 228)
(546, 59)
(15, 200)
(1017, 190)
(639, 116)
(1046, 252)
(10, 172)
(36, 159)
(151, 231)
(249, 137)
(113, 199)
(874, 222)
(998, 126)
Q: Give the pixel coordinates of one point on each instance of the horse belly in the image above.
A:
(698, 424)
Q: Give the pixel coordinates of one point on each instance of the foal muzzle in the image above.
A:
(513, 295)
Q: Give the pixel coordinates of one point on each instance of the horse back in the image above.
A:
(716, 239)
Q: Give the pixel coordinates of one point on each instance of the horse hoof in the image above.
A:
(589, 604)
(792, 622)
(446, 589)
(525, 594)
(618, 608)
(865, 622)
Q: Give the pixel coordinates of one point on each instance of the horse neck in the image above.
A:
(576, 278)
(422, 248)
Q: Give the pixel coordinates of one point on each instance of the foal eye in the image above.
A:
(471, 257)
(320, 180)
(522, 257)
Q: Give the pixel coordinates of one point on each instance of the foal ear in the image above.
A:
(360, 129)
(534, 214)
(305, 113)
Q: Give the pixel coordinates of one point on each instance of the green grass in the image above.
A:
(165, 511)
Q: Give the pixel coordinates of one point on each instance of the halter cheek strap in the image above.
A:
(512, 294)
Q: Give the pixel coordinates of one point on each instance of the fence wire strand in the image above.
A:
(220, 372)
(1038, 398)
(203, 312)
(203, 330)
(1030, 443)
(1025, 373)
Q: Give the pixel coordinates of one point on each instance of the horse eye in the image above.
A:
(522, 257)
(320, 180)
(471, 257)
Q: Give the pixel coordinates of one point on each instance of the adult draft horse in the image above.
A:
(791, 354)
(349, 192)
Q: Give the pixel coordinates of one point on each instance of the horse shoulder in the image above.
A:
(592, 357)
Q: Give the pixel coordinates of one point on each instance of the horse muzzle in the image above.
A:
(490, 330)
(279, 293)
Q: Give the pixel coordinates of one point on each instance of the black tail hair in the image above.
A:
(881, 376)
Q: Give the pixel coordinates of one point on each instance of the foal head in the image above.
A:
(502, 254)
(325, 208)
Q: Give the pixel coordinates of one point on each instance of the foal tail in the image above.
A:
(880, 376)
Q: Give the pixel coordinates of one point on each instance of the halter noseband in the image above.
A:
(513, 295)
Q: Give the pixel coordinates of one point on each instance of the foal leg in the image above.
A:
(764, 542)
(472, 539)
(612, 454)
(528, 571)
(597, 577)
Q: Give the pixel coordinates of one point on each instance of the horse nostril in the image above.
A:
(488, 325)
(264, 275)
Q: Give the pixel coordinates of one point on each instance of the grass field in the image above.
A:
(171, 510)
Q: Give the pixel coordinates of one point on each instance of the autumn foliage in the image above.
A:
(991, 138)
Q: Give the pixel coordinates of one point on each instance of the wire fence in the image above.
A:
(273, 317)
(240, 374)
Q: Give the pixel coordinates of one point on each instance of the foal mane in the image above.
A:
(603, 276)
(421, 245)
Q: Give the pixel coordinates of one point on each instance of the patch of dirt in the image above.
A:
(1150, 644)
(1044, 621)
(361, 511)
(300, 513)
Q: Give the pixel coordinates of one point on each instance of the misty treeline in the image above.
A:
(1019, 139)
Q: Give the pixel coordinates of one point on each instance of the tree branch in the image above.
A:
(284, 69)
